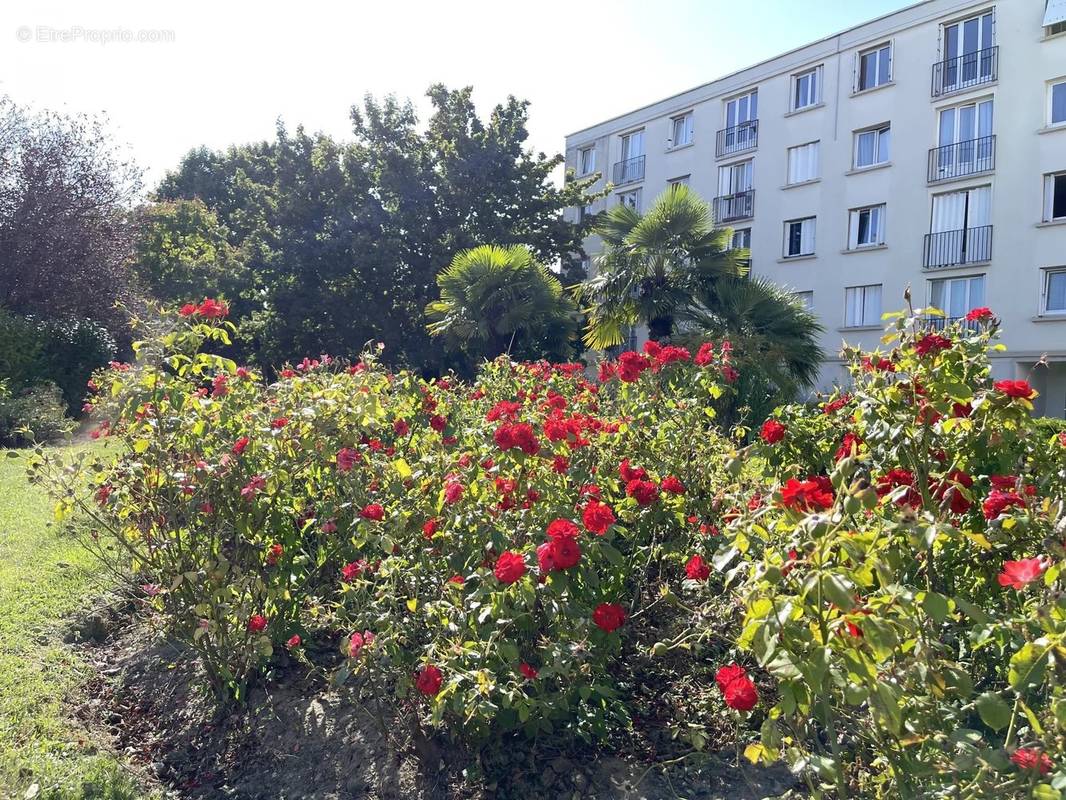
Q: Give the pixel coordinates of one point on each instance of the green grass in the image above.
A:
(46, 577)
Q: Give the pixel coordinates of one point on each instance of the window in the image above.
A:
(742, 109)
(1056, 103)
(799, 237)
(1054, 17)
(803, 163)
(956, 297)
(587, 160)
(631, 166)
(632, 145)
(1055, 291)
(630, 198)
(960, 231)
(805, 299)
(965, 141)
(681, 130)
(741, 239)
(875, 68)
(741, 124)
(862, 306)
(1055, 197)
(681, 181)
(806, 89)
(866, 227)
(584, 212)
(872, 146)
(968, 55)
(735, 198)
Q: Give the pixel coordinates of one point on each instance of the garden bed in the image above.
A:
(299, 736)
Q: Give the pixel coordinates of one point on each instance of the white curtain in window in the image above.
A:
(803, 163)
(980, 213)
(807, 237)
(1055, 12)
(949, 212)
(1056, 291)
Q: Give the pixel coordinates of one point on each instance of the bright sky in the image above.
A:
(231, 69)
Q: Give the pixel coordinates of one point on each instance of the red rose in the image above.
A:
(597, 517)
(848, 446)
(349, 572)
(896, 478)
(672, 484)
(979, 314)
(1016, 389)
(546, 558)
(510, 567)
(644, 492)
(528, 671)
(931, 343)
(346, 459)
(705, 355)
(429, 528)
(564, 552)
(257, 623)
(438, 423)
(1019, 574)
(453, 492)
(373, 511)
(609, 616)
(253, 487)
(997, 502)
(294, 642)
(561, 528)
(212, 309)
(1032, 758)
(428, 680)
(560, 464)
(279, 423)
(737, 688)
(813, 494)
(400, 427)
(240, 445)
(629, 473)
(772, 431)
(519, 436)
(950, 488)
(697, 569)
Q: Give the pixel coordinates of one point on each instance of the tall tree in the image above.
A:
(66, 191)
(344, 239)
(653, 265)
(496, 300)
(673, 270)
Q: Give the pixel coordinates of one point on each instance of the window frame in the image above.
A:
(1050, 179)
(680, 180)
(1051, 85)
(676, 118)
(637, 193)
(863, 322)
(581, 160)
(806, 296)
(815, 96)
(956, 279)
(876, 51)
(1045, 286)
(813, 220)
(878, 131)
(856, 215)
(733, 239)
(817, 163)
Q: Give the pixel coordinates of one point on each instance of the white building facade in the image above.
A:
(926, 148)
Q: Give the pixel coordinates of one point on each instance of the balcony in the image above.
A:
(732, 207)
(965, 71)
(958, 248)
(738, 139)
(962, 158)
(939, 324)
(630, 170)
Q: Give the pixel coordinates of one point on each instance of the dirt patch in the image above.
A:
(301, 737)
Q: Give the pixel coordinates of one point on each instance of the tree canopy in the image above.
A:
(342, 240)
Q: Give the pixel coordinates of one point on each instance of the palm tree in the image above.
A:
(674, 270)
(497, 300)
(652, 265)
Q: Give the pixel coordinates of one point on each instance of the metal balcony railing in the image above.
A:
(962, 72)
(737, 139)
(962, 158)
(938, 324)
(731, 207)
(630, 170)
(961, 247)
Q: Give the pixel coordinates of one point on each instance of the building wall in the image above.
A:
(1022, 247)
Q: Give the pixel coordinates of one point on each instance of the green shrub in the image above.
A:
(64, 352)
(33, 415)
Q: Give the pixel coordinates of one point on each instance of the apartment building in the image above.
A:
(925, 148)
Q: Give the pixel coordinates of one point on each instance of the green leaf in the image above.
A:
(994, 711)
(936, 606)
(839, 591)
(1027, 666)
(612, 555)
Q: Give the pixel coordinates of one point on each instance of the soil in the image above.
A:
(301, 737)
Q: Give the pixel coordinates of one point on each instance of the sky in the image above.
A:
(170, 76)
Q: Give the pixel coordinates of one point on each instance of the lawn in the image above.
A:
(45, 579)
